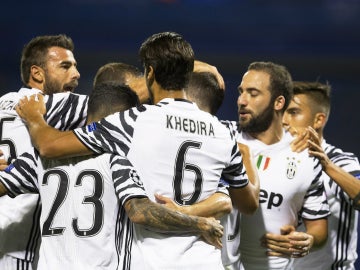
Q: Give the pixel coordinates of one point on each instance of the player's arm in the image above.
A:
(50, 142)
(145, 212)
(200, 66)
(348, 183)
(318, 229)
(246, 199)
(3, 190)
(217, 205)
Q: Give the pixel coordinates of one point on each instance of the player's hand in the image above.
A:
(315, 149)
(3, 161)
(205, 67)
(289, 243)
(31, 108)
(301, 141)
(213, 232)
(167, 202)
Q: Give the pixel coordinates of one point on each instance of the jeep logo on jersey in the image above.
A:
(272, 199)
(291, 168)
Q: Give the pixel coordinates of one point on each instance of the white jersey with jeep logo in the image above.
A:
(290, 188)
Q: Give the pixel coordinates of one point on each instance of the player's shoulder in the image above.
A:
(65, 97)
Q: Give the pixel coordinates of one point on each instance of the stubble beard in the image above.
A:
(259, 123)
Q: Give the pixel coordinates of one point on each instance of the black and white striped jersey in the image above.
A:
(340, 251)
(80, 207)
(19, 229)
(180, 152)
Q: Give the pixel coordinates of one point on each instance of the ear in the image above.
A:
(37, 74)
(150, 73)
(150, 76)
(279, 103)
(319, 120)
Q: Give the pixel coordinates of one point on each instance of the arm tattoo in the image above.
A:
(158, 217)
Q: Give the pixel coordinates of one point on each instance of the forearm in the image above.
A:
(145, 212)
(318, 229)
(217, 205)
(250, 167)
(3, 190)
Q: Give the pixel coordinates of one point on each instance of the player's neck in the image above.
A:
(272, 135)
(161, 94)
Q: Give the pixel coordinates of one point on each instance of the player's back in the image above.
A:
(179, 152)
(80, 218)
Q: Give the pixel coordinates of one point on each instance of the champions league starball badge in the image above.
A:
(291, 168)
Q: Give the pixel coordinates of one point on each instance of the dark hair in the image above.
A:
(110, 97)
(320, 93)
(115, 72)
(36, 52)
(171, 58)
(280, 80)
(203, 88)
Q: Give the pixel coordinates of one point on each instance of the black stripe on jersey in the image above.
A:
(140, 108)
(232, 127)
(12, 190)
(108, 144)
(125, 239)
(25, 169)
(127, 128)
(341, 159)
(343, 235)
(73, 119)
(33, 241)
(22, 264)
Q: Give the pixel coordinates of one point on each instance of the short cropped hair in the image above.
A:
(116, 71)
(319, 93)
(203, 88)
(36, 52)
(280, 80)
(110, 97)
(171, 57)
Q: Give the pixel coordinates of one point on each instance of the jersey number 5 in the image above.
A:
(7, 141)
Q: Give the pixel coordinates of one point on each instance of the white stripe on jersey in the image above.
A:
(180, 152)
(80, 215)
(340, 251)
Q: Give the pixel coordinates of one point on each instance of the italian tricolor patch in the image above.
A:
(262, 162)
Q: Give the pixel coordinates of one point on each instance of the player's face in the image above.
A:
(255, 106)
(61, 72)
(298, 115)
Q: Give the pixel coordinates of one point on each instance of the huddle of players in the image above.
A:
(285, 196)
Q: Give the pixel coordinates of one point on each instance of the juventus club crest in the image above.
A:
(291, 168)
